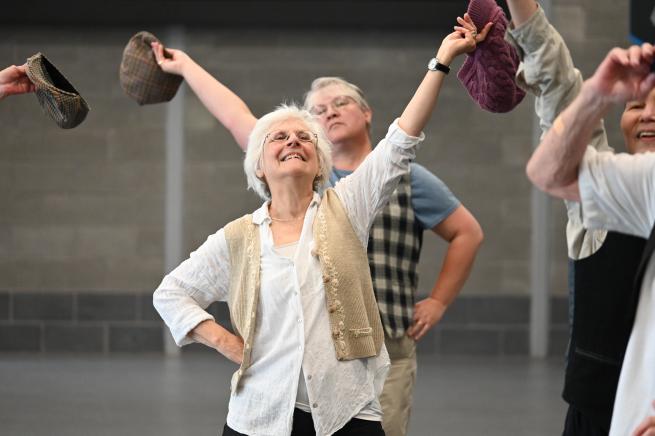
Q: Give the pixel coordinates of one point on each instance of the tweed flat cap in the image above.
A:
(488, 73)
(141, 78)
(56, 95)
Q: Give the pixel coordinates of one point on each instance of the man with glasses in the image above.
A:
(421, 202)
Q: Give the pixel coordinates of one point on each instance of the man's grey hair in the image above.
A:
(253, 159)
(352, 91)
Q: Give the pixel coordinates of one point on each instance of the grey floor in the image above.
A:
(153, 395)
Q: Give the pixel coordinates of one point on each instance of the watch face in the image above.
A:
(433, 64)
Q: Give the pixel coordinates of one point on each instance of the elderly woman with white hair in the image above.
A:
(307, 331)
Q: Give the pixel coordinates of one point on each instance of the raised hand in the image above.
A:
(463, 40)
(625, 74)
(173, 62)
(14, 80)
(466, 25)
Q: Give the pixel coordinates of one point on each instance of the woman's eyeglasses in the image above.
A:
(283, 135)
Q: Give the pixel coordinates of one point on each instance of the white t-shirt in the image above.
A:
(618, 193)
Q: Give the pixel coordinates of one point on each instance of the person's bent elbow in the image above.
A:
(557, 185)
(543, 176)
(536, 175)
(477, 235)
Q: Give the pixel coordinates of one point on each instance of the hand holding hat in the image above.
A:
(14, 80)
(462, 40)
(58, 98)
(170, 60)
(488, 73)
(140, 74)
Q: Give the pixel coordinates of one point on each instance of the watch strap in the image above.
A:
(435, 65)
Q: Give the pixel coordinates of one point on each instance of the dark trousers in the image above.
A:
(303, 425)
(577, 424)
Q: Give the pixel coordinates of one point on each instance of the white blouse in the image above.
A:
(292, 326)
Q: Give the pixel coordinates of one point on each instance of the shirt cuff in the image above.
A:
(398, 137)
(188, 322)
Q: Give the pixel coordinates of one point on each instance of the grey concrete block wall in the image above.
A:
(81, 211)
(53, 322)
(121, 322)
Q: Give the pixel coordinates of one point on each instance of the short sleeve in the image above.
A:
(432, 201)
(617, 190)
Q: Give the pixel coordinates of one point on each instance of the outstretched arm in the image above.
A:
(521, 10)
(623, 75)
(367, 189)
(14, 80)
(547, 69)
(417, 113)
(222, 103)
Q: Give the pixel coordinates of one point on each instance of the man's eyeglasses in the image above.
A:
(283, 135)
(336, 103)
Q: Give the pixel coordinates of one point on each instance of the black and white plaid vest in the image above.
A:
(394, 246)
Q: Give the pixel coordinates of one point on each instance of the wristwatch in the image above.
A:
(435, 65)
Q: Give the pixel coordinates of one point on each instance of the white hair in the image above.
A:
(253, 161)
(352, 90)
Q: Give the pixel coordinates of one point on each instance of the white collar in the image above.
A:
(261, 216)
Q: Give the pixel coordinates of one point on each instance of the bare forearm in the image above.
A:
(213, 335)
(418, 111)
(521, 10)
(227, 107)
(456, 267)
(554, 165)
(209, 333)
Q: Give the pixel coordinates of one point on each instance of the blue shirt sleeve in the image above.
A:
(431, 199)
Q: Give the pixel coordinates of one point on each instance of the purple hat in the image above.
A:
(488, 73)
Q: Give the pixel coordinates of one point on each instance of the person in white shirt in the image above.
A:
(421, 202)
(14, 80)
(616, 192)
(308, 336)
